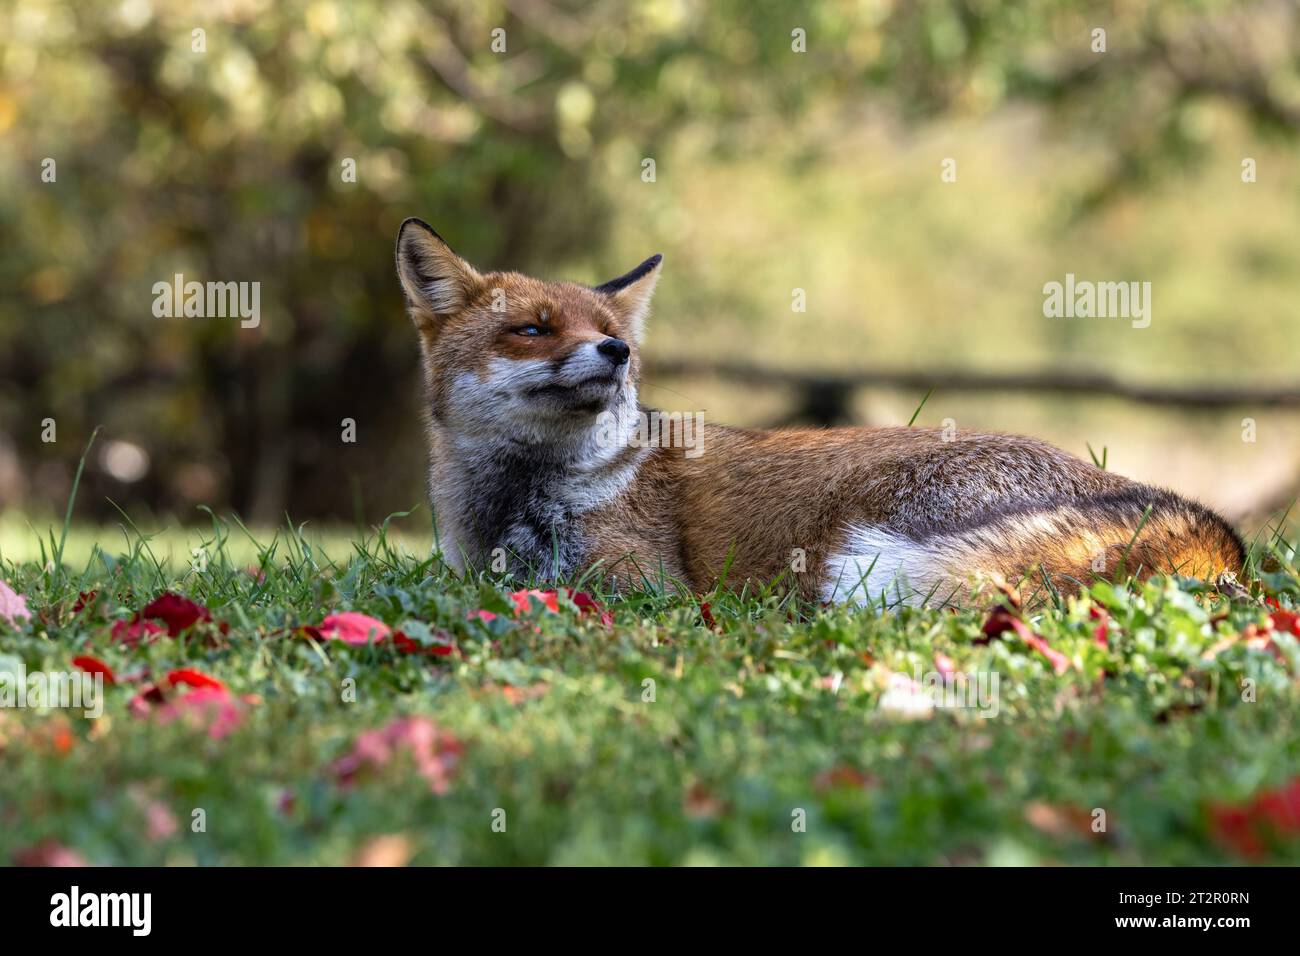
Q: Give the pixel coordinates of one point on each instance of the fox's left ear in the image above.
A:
(437, 282)
(630, 293)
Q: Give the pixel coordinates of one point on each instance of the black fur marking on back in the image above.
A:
(623, 281)
(1129, 503)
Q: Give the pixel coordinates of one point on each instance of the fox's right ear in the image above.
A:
(437, 282)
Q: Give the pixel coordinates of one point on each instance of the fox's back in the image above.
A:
(782, 499)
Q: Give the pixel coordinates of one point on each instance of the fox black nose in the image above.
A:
(615, 350)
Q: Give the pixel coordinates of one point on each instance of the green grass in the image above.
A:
(776, 713)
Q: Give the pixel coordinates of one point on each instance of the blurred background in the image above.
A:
(794, 146)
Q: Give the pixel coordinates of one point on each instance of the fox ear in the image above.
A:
(437, 282)
(630, 293)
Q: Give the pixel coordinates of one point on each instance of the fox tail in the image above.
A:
(1139, 532)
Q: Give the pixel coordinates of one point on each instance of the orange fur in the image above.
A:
(788, 505)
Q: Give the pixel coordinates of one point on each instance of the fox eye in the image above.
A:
(530, 330)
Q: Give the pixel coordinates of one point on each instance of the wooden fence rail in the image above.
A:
(824, 398)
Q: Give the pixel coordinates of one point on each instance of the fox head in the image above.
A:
(516, 357)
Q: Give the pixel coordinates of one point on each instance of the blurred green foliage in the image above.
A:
(221, 156)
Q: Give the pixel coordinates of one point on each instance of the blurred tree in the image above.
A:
(282, 143)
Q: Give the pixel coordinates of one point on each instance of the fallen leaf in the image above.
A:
(1101, 633)
(207, 704)
(160, 822)
(588, 605)
(93, 665)
(706, 615)
(519, 695)
(13, 606)
(390, 849)
(1058, 820)
(178, 612)
(1288, 622)
(48, 853)
(700, 804)
(135, 630)
(523, 601)
(353, 627)
(1246, 827)
(435, 751)
(944, 665)
(193, 678)
(1001, 620)
(846, 776)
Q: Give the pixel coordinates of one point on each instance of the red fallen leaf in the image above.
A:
(13, 606)
(589, 605)
(1001, 620)
(1060, 663)
(1253, 636)
(699, 803)
(519, 695)
(215, 709)
(1101, 634)
(523, 601)
(286, 802)
(160, 823)
(1288, 622)
(523, 604)
(133, 631)
(208, 703)
(178, 612)
(193, 678)
(1245, 827)
(142, 703)
(435, 752)
(1058, 820)
(62, 739)
(48, 853)
(944, 665)
(843, 775)
(50, 736)
(353, 627)
(706, 615)
(93, 665)
(386, 849)
(407, 646)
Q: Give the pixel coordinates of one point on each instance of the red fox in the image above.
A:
(532, 418)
